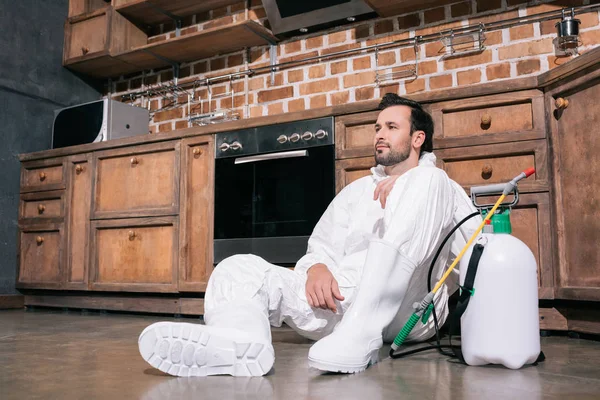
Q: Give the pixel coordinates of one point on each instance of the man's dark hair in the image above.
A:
(420, 120)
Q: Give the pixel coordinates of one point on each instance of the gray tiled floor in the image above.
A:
(57, 355)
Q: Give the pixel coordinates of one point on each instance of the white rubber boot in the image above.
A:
(236, 341)
(355, 342)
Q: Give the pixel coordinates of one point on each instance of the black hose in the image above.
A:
(438, 345)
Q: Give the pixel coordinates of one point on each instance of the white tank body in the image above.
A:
(501, 322)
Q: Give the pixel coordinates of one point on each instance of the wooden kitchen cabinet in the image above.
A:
(136, 181)
(197, 210)
(79, 7)
(40, 253)
(574, 121)
(134, 254)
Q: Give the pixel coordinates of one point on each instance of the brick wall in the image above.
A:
(510, 53)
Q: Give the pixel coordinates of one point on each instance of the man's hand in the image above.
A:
(384, 188)
(321, 288)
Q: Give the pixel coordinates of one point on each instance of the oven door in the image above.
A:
(268, 204)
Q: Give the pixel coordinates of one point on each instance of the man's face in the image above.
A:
(392, 136)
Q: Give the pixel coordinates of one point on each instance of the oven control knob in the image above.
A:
(307, 135)
(282, 139)
(321, 134)
(236, 146)
(294, 137)
(224, 147)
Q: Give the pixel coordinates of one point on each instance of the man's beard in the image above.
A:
(392, 157)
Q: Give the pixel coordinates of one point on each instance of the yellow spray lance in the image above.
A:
(424, 308)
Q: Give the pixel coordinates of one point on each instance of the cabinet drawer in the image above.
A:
(354, 135)
(42, 175)
(143, 182)
(135, 254)
(489, 119)
(42, 205)
(483, 165)
(40, 256)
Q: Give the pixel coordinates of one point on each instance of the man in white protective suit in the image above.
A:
(366, 264)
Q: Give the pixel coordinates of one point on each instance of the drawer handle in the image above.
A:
(85, 50)
(197, 151)
(78, 169)
(561, 103)
(486, 120)
(486, 171)
(134, 161)
(39, 240)
(132, 235)
(42, 176)
(41, 208)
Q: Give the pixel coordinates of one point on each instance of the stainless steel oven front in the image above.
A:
(272, 184)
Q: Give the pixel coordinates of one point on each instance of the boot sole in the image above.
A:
(183, 349)
(343, 368)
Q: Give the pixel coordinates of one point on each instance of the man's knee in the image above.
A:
(240, 264)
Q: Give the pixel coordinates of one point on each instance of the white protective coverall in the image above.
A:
(340, 241)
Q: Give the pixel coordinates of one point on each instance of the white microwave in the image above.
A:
(97, 121)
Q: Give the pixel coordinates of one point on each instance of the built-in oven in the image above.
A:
(272, 184)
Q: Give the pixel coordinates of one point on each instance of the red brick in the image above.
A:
(256, 83)
(154, 105)
(340, 98)
(494, 17)
(235, 60)
(468, 60)
(337, 37)
(324, 85)
(339, 67)
(219, 12)
(293, 47)
(299, 57)
(256, 111)
(388, 38)
(428, 67)
(492, 38)
(409, 21)
(158, 38)
(417, 85)
(488, 5)
(153, 129)
(521, 32)
(434, 15)
(440, 81)
(385, 26)
(275, 109)
(217, 63)
(498, 71)
(387, 58)
(275, 94)
(359, 79)
(319, 101)
(361, 63)
(460, 9)
(365, 93)
(526, 49)
(590, 37)
(314, 42)
(437, 28)
(407, 54)
(278, 81)
(393, 88)
(296, 105)
(335, 49)
(468, 77)
(295, 76)
(554, 61)
(166, 127)
(168, 114)
(257, 13)
(200, 67)
(181, 124)
(588, 20)
(241, 6)
(435, 49)
(218, 22)
(317, 71)
(361, 32)
(189, 29)
(525, 67)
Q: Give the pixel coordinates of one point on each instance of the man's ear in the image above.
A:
(418, 138)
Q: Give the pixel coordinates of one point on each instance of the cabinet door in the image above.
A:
(347, 171)
(137, 181)
(575, 142)
(134, 254)
(40, 256)
(79, 178)
(197, 213)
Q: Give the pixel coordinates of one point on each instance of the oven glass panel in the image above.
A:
(273, 198)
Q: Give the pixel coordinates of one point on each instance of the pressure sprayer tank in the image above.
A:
(501, 322)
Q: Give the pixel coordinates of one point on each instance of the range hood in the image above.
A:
(290, 17)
